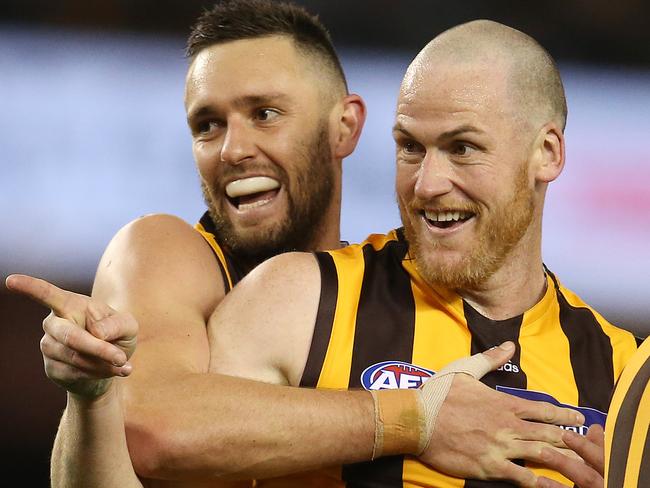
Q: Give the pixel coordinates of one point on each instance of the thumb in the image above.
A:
(500, 355)
(481, 364)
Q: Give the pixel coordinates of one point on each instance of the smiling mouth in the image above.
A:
(248, 193)
(446, 219)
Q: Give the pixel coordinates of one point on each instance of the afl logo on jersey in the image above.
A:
(393, 375)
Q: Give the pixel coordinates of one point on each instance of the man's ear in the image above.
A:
(349, 123)
(548, 153)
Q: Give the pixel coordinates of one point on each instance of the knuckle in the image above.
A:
(67, 337)
(48, 321)
(102, 328)
(548, 412)
(49, 369)
(73, 356)
(45, 344)
(131, 321)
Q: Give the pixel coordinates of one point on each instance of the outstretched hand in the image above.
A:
(85, 343)
(479, 431)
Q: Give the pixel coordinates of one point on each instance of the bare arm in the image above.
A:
(181, 421)
(263, 331)
(91, 432)
(184, 423)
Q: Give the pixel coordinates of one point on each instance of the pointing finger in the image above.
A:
(63, 303)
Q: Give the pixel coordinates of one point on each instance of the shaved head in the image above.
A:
(532, 79)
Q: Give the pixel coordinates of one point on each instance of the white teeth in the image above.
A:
(248, 186)
(446, 216)
(248, 206)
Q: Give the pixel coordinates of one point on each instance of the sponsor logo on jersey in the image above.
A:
(592, 416)
(509, 367)
(393, 375)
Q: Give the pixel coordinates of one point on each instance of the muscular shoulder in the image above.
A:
(156, 233)
(157, 256)
(263, 328)
(286, 274)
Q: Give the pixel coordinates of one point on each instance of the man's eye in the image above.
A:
(462, 149)
(411, 147)
(206, 126)
(266, 114)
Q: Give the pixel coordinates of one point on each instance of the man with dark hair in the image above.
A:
(271, 121)
(269, 130)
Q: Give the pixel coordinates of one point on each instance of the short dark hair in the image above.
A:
(232, 20)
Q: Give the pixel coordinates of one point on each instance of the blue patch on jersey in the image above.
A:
(592, 416)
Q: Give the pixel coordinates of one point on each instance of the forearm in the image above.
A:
(90, 446)
(209, 425)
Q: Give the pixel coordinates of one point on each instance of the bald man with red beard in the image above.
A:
(269, 140)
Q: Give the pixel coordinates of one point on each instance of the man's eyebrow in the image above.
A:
(240, 102)
(253, 100)
(461, 130)
(398, 128)
(199, 112)
(445, 135)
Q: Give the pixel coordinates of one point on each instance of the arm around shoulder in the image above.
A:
(163, 272)
(263, 329)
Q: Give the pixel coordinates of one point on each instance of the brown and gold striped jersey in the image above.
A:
(627, 432)
(231, 271)
(379, 325)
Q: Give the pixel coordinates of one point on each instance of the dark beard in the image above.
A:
(308, 203)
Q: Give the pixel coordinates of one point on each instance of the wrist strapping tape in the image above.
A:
(405, 419)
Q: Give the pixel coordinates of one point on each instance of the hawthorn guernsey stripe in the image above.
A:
(385, 296)
(587, 341)
(627, 434)
(327, 307)
(232, 272)
(487, 333)
(375, 308)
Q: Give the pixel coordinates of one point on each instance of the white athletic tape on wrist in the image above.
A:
(405, 419)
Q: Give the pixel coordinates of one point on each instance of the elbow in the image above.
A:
(150, 449)
(163, 449)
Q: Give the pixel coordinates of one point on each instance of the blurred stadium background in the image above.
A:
(92, 135)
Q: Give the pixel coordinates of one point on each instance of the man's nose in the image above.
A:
(434, 177)
(238, 143)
